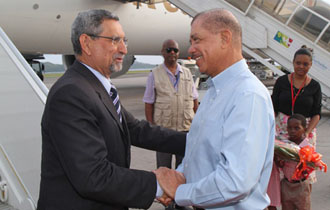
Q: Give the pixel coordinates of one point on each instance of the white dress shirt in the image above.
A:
(106, 82)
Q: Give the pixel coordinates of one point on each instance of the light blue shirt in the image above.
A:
(230, 145)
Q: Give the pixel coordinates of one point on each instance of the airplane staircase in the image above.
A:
(276, 29)
(23, 96)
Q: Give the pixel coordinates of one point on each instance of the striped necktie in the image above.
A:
(115, 99)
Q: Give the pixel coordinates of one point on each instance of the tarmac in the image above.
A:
(131, 89)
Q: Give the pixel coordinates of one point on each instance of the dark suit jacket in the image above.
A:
(86, 150)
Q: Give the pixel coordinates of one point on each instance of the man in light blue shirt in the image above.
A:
(229, 151)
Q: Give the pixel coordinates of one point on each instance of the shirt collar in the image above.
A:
(221, 80)
(105, 81)
(178, 69)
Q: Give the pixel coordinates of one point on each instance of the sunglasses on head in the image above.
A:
(170, 49)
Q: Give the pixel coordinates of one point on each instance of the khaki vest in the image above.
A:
(173, 109)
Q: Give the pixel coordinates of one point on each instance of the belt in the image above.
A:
(196, 208)
(295, 181)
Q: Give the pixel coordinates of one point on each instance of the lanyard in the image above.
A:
(177, 77)
(294, 97)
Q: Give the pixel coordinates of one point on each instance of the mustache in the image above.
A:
(118, 55)
(194, 56)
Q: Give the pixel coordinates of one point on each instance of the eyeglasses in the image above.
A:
(170, 49)
(115, 39)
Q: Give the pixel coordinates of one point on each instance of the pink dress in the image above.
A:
(274, 187)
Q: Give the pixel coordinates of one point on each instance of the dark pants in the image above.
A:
(165, 160)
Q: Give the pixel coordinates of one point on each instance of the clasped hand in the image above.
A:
(169, 180)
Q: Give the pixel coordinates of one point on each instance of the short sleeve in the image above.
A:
(149, 93)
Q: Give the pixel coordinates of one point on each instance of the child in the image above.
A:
(295, 194)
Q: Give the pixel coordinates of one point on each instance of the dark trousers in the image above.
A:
(165, 160)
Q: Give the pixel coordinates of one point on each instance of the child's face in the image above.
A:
(295, 130)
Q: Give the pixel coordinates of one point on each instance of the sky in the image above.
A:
(155, 59)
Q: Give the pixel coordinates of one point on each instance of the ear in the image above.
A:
(85, 43)
(163, 52)
(226, 38)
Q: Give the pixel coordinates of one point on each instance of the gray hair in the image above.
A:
(215, 20)
(88, 22)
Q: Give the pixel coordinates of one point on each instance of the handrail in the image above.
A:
(316, 38)
(249, 7)
(38, 86)
(299, 5)
(10, 169)
(322, 32)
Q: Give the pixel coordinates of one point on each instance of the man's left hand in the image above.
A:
(169, 180)
(165, 200)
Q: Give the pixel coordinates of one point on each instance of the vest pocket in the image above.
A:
(188, 115)
(162, 114)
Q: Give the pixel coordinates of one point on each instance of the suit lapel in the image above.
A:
(128, 146)
(105, 98)
(100, 90)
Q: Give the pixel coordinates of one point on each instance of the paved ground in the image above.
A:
(131, 88)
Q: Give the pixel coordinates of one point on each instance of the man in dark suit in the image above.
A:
(87, 133)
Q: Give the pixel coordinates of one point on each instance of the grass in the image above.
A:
(51, 75)
(138, 72)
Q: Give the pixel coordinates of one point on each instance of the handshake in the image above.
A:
(169, 180)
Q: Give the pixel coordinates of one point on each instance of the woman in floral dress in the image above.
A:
(295, 93)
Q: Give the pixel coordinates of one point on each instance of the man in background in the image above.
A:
(171, 98)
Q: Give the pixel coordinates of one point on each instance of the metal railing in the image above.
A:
(25, 69)
(309, 18)
(12, 184)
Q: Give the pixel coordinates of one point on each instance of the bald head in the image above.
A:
(170, 43)
(216, 20)
(170, 52)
